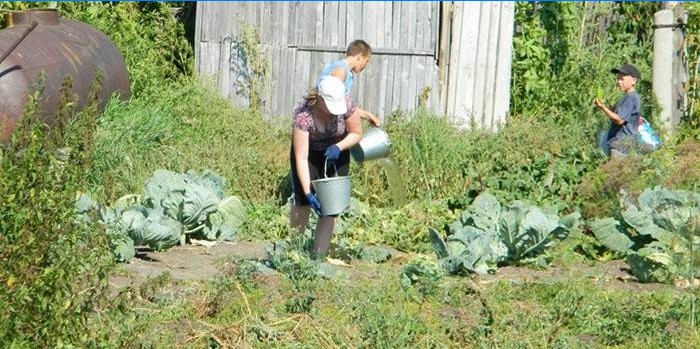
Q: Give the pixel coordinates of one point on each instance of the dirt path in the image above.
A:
(194, 262)
(613, 274)
(189, 262)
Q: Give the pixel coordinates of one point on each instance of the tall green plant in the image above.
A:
(149, 37)
(692, 116)
(257, 67)
(53, 267)
(561, 58)
(530, 56)
(559, 20)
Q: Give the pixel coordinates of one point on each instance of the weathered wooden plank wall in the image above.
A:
(478, 84)
(299, 38)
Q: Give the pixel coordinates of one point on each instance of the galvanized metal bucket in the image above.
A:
(333, 193)
(375, 144)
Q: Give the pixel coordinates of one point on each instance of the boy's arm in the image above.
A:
(339, 73)
(616, 119)
(373, 119)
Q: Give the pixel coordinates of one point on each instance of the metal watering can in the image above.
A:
(375, 144)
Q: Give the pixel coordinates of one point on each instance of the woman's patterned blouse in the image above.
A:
(319, 139)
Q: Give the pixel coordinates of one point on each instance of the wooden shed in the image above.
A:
(452, 57)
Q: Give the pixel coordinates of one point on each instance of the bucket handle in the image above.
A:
(325, 168)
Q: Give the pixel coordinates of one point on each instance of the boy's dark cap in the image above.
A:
(627, 69)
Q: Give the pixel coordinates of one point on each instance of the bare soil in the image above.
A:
(194, 262)
(188, 262)
(613, 274)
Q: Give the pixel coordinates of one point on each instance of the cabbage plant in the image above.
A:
(658, 235)
(488, 234)
(173, 208)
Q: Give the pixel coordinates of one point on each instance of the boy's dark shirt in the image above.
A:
(629, 109)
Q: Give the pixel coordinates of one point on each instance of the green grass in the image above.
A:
(373, 311)
(187, 127)
(544, 155)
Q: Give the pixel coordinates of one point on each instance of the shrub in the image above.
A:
(148, 36)
(54, 267)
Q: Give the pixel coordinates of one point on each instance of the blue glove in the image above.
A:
(332, 154)
(313, 202)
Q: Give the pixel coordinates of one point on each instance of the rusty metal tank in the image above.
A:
(58, 47)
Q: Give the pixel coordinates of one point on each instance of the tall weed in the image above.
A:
(692, 116)
(54, 268)
(528, 159)
(186, 126)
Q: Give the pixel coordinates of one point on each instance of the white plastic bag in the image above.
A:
(646, 136)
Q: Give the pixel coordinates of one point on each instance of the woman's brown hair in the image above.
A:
(311, 97)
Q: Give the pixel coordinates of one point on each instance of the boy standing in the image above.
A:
(624, 118)
(356, 60)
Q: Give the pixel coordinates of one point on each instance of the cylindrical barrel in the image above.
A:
(59, 48)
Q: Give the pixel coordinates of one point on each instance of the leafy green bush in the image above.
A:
(146, 33)
(54, 267)
(675, 165)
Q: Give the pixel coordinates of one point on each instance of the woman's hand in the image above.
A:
(332, 154)
(313, 202)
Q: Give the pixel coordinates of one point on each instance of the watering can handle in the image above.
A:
(325, 168)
